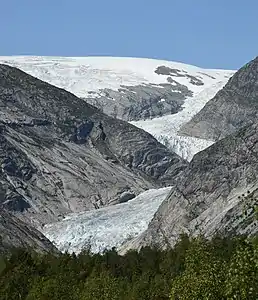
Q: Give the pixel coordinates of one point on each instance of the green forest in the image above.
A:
(197, 268)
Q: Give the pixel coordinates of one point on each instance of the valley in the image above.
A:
(100, 181)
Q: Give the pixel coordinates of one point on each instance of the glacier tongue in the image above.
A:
(106, 227)
(184, 146)
(165, 128)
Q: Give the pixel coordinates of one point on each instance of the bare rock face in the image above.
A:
(208, 197)
(233, 107)
(163, 70)
(217, 192)
(16, 234)
(142, 101)
(59, 154)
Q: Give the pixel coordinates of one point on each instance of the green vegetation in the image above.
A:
(223, 268)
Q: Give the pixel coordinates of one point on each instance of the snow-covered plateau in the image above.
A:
(81, 75)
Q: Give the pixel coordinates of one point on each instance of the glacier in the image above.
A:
(106, 227)
(81, 75)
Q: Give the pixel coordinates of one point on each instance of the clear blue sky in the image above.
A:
(207, 33)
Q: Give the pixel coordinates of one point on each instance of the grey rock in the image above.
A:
(14, 233)
(207, 198)
(143, 101)
(59, 154)
(233, 107)
(126, 196)
(163, 70)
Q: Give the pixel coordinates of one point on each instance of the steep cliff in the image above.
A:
(16, 234)
(233, 107)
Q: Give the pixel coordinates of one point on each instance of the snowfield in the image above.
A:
(80, 75)
(106, 227)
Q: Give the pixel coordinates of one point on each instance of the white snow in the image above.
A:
(80, 75)
(106, 227)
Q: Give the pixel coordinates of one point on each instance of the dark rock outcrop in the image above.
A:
(143, 101)
(14, 233)
(163, 70)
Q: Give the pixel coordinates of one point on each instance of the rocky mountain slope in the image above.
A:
(216, 194)
(59, 154)
(233, 107)
(218, 191)
(15, 233)
(165, 94)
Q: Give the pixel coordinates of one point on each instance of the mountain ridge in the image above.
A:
(207, 186)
